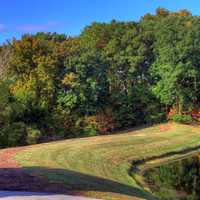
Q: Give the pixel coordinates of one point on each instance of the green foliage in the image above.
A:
(181, 118)
(13, 135)
(175, 70)
(89, 130)
(121, 73)
(157, 117)
(33, 135)
(179, 177)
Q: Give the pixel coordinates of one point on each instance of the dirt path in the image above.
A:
(6, 156)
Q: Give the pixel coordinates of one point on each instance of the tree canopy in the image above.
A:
(112, 76)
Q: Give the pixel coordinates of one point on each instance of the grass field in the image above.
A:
(100, 166)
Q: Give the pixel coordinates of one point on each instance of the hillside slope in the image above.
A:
(99, 166)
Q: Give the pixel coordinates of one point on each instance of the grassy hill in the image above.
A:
(100, 166)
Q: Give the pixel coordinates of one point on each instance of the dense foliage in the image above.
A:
(113, 76)
(182, 118)
(179, 180)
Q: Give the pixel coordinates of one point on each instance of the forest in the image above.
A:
(113, 76)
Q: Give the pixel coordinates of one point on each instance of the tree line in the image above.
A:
(112, 76)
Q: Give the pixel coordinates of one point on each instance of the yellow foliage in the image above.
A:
(181, 13)
(91, 120)
(19, 85)
(188, 24)
(69, 79)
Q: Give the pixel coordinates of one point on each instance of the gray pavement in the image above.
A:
(6, 195)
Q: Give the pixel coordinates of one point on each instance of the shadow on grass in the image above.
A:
(34, 179)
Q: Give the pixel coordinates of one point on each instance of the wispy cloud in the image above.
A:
(2, 28)
(37, 27)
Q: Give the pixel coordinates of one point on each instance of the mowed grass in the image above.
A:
(100, 166)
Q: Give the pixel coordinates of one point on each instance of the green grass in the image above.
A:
(99, 166)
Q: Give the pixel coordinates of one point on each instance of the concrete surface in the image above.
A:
(7, 195)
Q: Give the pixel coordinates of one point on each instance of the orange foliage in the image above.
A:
(69, 79)
(172, 112)
(105, 121)
(181, 13)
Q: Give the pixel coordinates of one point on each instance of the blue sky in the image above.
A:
(70, 16)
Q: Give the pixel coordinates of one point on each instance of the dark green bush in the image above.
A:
(182, 118)
(33, 135)
(13, 135)
(156, 118)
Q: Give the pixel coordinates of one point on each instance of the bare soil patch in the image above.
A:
(165, 127)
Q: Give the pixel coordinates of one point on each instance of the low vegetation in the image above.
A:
(182, 118)
(102, 166)
(179, 180)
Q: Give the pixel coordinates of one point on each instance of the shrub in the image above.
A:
(33, 135)
(124, 116)
(13, 135)
(181, 118)
(156, 118)
(101, 123)
(90, 126)
(105, 121)
(90, 131)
